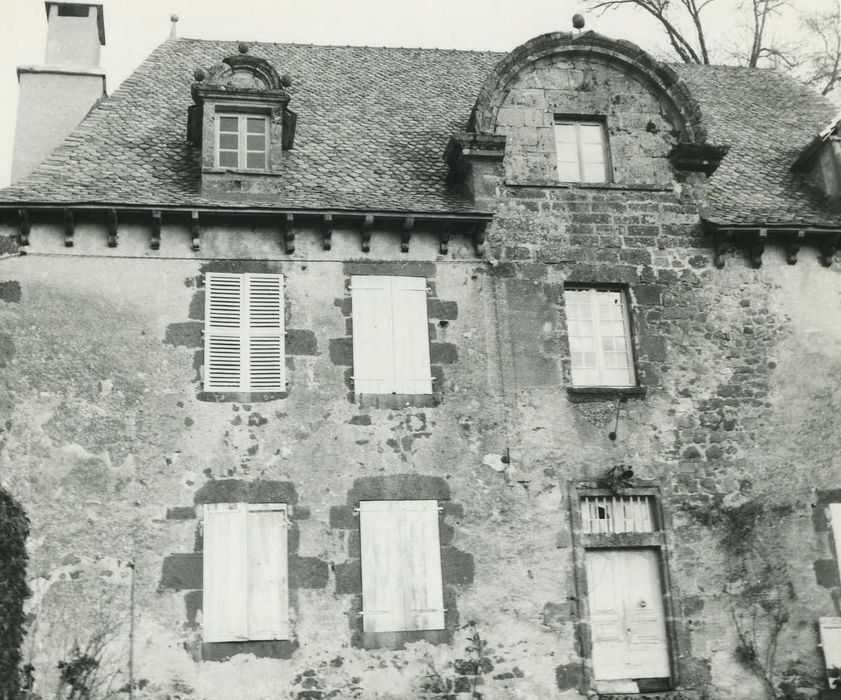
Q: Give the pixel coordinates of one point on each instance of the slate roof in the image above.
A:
(372, 127)
(768, 119)
(373, 124)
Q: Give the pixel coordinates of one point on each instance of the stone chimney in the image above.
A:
(53, 98)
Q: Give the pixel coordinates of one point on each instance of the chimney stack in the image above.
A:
(55, 97)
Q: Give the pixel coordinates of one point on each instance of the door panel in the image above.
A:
(626, 614)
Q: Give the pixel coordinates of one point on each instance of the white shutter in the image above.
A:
(390, 335)
(246, 590)
(225, 594)
(373, 335)
(244, 332)
(268, 589)
(830, 629)
(266, 350)
(411, 336)
(566, 147)
(402, 588)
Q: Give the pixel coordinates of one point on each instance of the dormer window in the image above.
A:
(581, 146)
(242, 142)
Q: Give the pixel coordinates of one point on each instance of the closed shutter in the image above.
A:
(411, 336)
(390, 335)
(246, 592)
(244, 332)
(402, 588)
(268, 589)
(225, 595)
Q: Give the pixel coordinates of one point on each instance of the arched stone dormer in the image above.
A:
(244, 72)
(597, 48)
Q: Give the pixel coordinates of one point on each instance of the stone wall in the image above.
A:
(111, 445)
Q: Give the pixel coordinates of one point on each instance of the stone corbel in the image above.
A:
(113, 225)
(23, 227)
(756, 247)
(723, 243)
(828, 247)
(69, 228)
(156, 230)
(444, 235)
(327, 232)
(287, 232)
(367, 225)
(406, 233)
(195, 232)
(795, 243)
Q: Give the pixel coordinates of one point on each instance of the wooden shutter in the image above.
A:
(244, 332)
(411, 336)
(246, 592)
(402, 589)
(225, 564)
(830, 629)
(390, 335)
(268, 589)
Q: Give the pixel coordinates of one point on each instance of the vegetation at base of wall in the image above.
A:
(466, 675)
(759, 589)
(14, 529)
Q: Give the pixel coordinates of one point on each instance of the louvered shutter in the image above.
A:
(402, 588)
(411, 336)
(244, 332)
(225, 564)
(268, 590)
(373, 335)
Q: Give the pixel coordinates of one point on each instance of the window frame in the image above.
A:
(656, 540)
(242, 140)
(630, 338)
(576, 121)
(210, 633)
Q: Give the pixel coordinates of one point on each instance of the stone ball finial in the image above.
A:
(173, 18)
(578, 21)
(286, 80)
(242, 47)
(200, 74)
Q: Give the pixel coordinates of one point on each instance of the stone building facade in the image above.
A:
(703, 485)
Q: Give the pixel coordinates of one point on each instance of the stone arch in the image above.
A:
(630, 57)
(245, 72)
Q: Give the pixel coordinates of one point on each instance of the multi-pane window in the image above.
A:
(581, 148)
(242, 142)
(245, 589)
(244, 332)
(599, 337)
(830, 627)
(390, 335)
(402, 585)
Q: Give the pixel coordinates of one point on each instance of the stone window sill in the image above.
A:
(601, 393)
(239, 171)
(554, 184)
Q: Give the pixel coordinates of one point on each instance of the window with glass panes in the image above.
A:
(599, 337)
(242, 142)
(581, 148)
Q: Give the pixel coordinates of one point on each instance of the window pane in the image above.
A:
(228, 124)
(256, 126)
(593, 153)
(256, 161)
(228, 159)
(256, 143)
(228, 142)
(595, 172)
(591, 133)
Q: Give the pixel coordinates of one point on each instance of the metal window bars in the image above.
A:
(611, 515)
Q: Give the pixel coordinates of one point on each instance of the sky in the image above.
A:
(133, 28)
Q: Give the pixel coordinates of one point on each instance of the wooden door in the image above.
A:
(626, 614)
